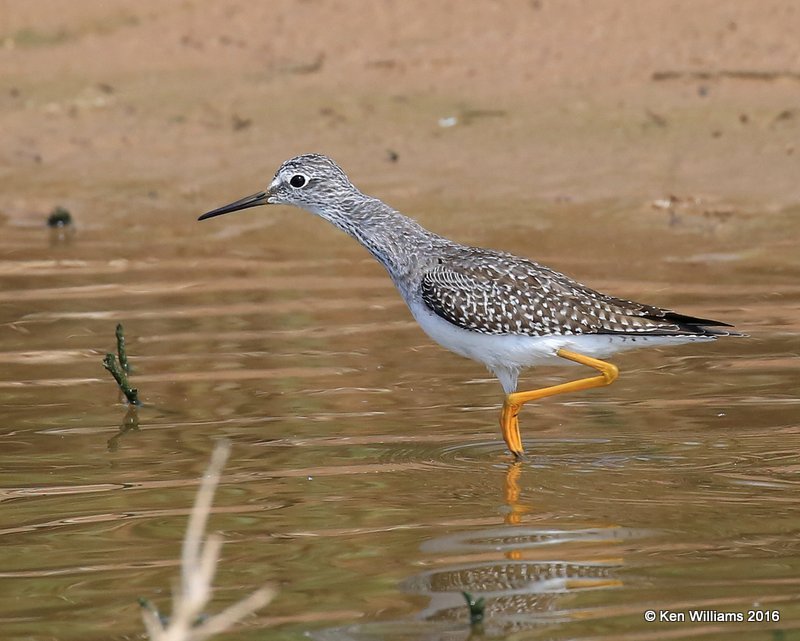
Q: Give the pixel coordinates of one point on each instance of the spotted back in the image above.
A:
(496, 293)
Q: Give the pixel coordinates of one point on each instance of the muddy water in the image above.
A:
(368, 480)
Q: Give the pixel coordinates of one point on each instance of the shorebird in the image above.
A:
(506, 312)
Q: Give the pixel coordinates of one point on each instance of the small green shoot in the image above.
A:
(119, 369)
(123, 356)
(476, 608)
(131, 393)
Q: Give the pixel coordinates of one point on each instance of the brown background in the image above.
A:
(107, 103)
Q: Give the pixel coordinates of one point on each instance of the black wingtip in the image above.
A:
(696, 325)
(683, 319)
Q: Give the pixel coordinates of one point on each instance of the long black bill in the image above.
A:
(243, 203)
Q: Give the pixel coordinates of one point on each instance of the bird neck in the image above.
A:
(398, 242)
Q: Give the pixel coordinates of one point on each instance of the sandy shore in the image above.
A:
(580, 100)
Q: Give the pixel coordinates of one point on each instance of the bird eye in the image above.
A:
(297, 181)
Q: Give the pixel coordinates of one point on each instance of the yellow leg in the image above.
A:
(509, 423)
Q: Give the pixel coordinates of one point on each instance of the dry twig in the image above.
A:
(198, 563)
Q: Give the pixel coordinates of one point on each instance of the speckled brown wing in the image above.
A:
(496, 293)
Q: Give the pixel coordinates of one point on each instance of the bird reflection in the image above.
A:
(516, 510)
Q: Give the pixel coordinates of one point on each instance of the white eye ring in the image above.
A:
(298, 181)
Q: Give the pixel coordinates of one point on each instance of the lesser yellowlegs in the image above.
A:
(501, 310)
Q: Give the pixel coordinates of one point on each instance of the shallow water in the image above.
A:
(368, 480)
